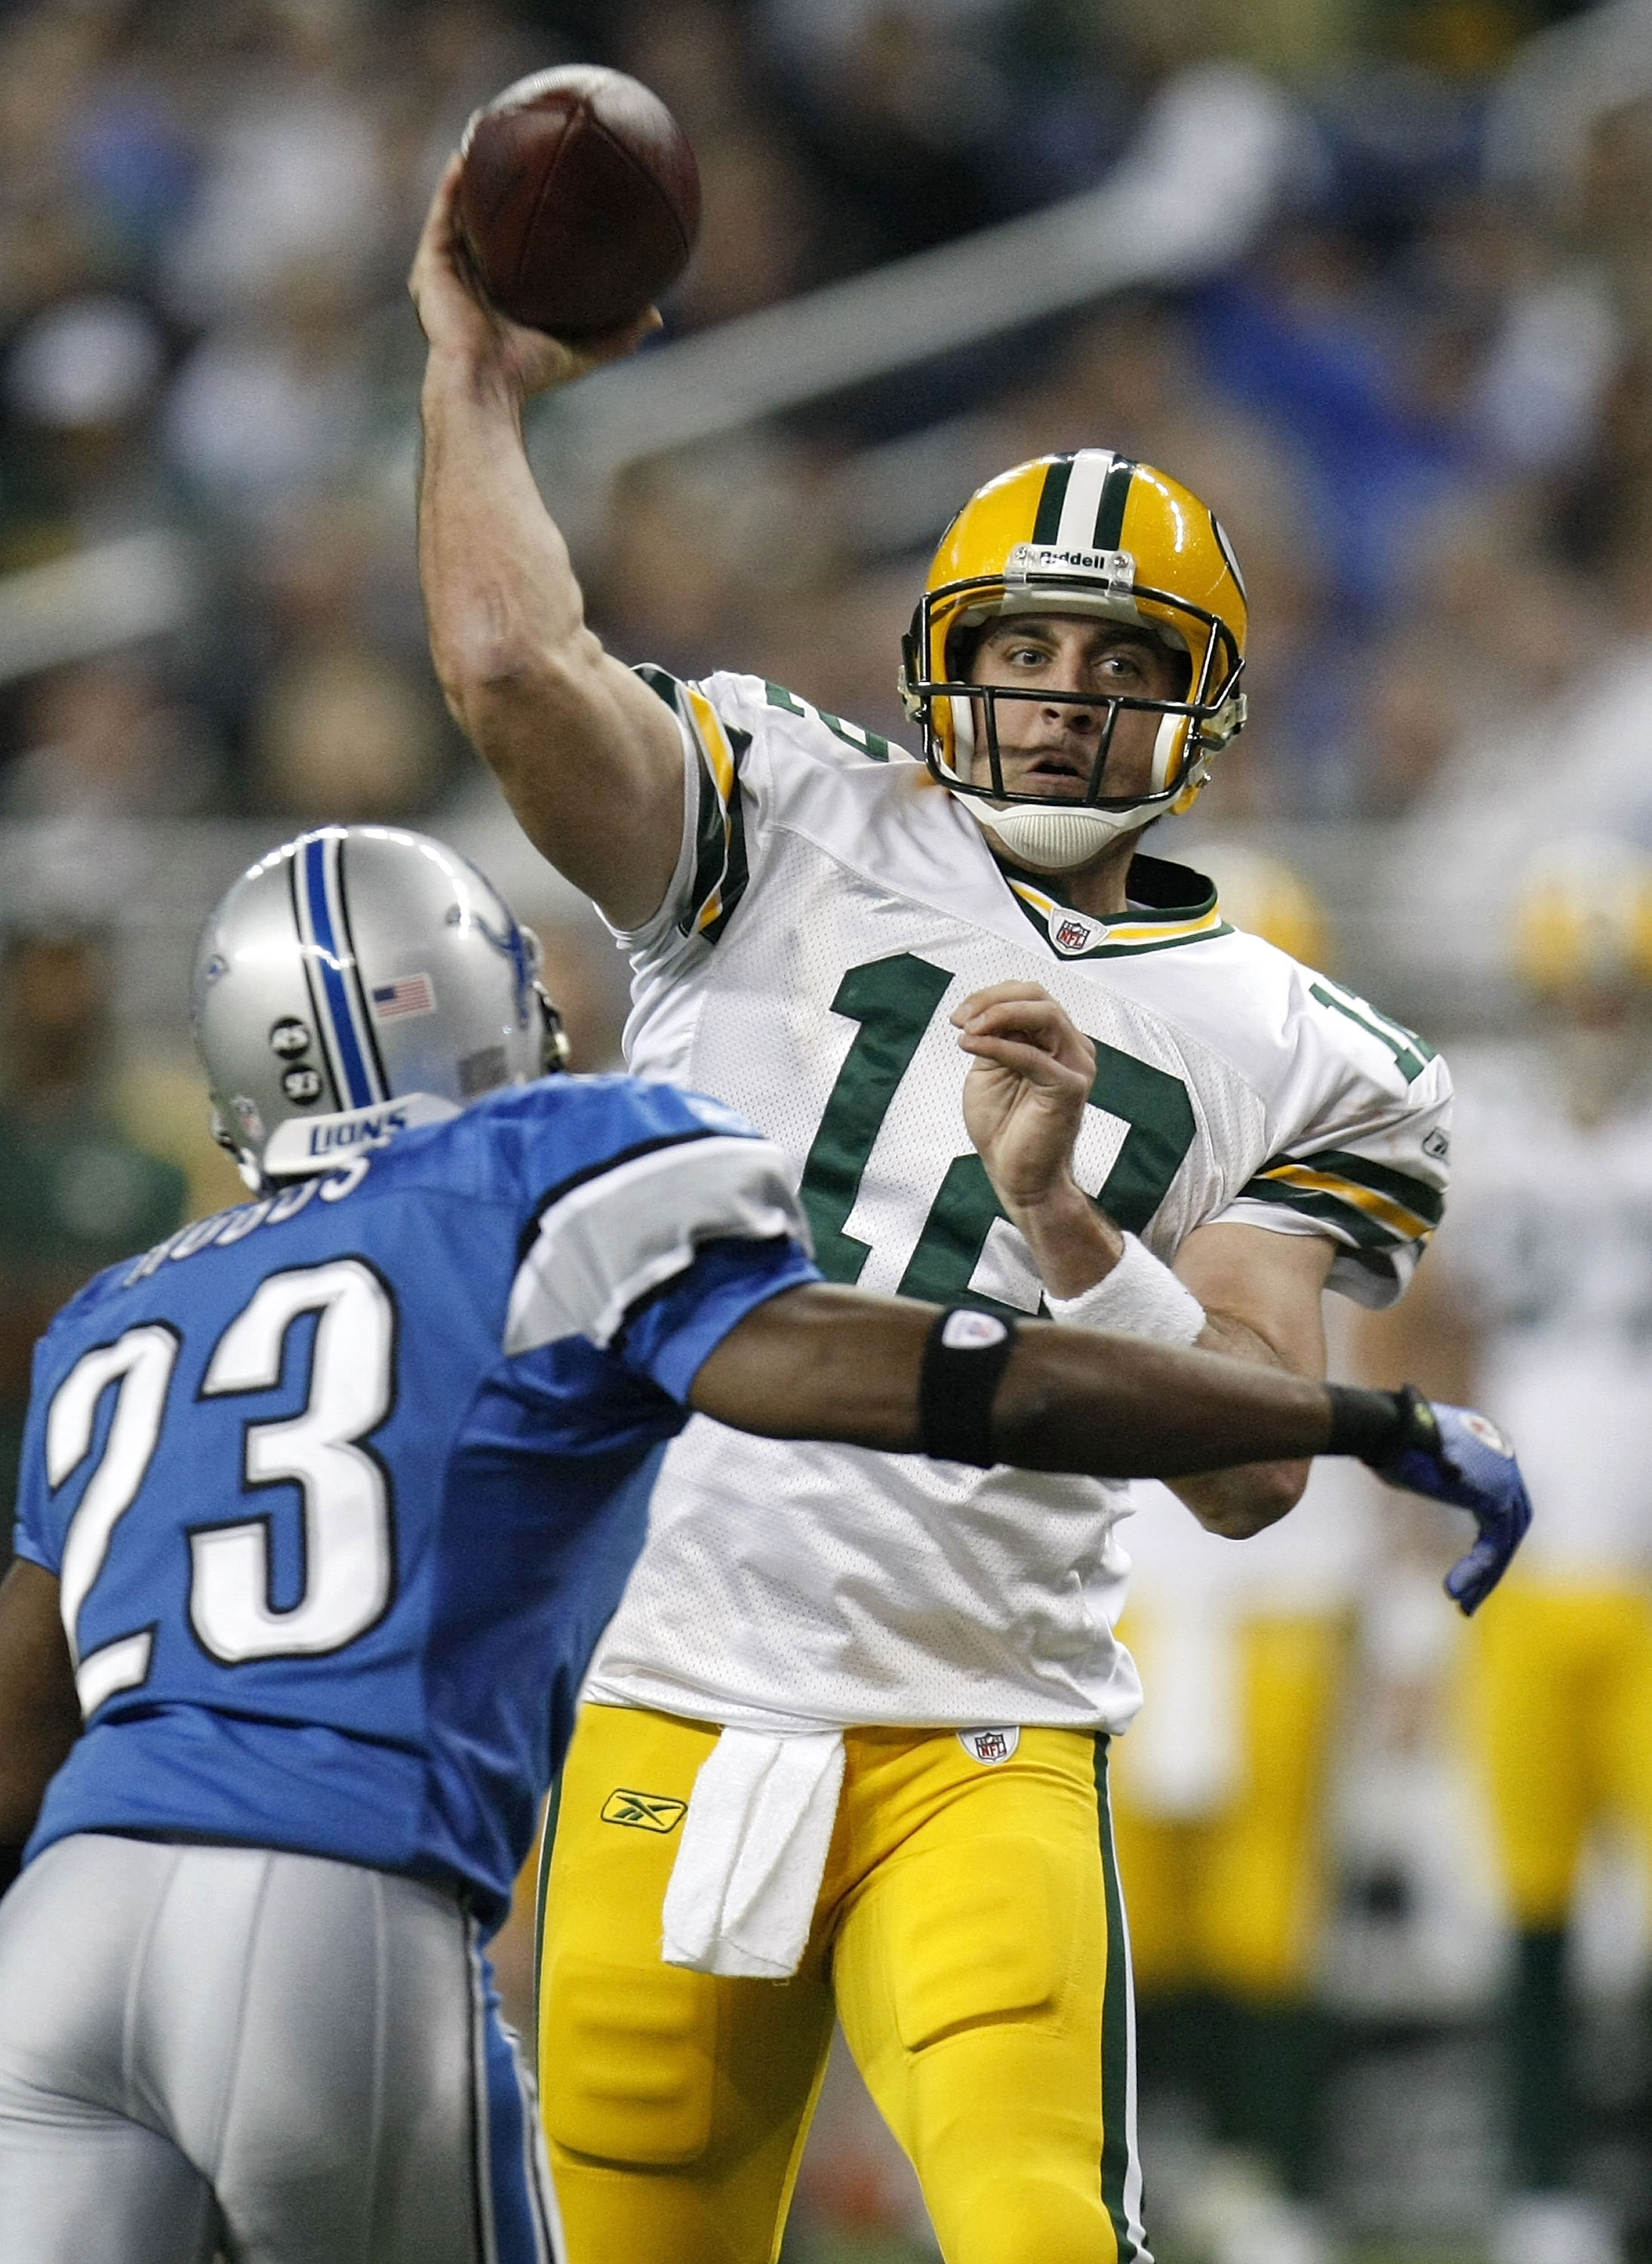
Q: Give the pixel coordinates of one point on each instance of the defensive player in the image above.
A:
(1543, 1293)
(807, 910)
(325, 1500)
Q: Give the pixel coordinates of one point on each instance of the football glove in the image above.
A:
(1454, 1454)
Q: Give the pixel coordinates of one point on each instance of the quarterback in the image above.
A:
(326, 1500)
(868, 1738)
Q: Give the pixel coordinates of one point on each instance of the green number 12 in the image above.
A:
(894, 1001)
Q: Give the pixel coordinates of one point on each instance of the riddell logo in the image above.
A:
(644, 1812)
(1029, 560)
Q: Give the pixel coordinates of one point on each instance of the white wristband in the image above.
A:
(1139, 1298)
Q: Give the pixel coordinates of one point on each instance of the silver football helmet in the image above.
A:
(360, 964)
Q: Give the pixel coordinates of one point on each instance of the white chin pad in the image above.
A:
(1053, 836)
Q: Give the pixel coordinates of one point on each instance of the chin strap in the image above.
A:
(1051, 837)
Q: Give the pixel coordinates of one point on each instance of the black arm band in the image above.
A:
(962, 1361)
(1373, 1424)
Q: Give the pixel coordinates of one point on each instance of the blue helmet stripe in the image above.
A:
(331, 961)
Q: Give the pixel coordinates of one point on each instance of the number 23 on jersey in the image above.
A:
(348, 1538)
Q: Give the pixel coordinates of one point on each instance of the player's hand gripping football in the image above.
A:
(1454, 1454)
(457, 318)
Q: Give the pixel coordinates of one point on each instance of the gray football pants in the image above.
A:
(290, 2060)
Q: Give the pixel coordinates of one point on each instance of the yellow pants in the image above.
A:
(1561, 1687)
(970, 1933)
(1232, 1900)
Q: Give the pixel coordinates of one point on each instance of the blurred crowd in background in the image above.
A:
(1419, 394)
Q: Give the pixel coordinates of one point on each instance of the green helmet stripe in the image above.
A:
(1047, 525)
(1115, 494)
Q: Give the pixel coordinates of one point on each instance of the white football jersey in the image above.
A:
(831, 906)
(1550, 1254)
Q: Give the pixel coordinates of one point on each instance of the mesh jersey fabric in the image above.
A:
(831, 905)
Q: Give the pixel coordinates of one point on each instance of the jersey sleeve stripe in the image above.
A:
(1401, 1187)
(1359, 1215)
(711, 848)
(609, 1238)
(720, 869)
(660, 681)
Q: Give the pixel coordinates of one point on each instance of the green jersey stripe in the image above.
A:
(737, 871)
(1382, 1179)
(711, 845)
(1040, 923)
(1047, 525)
(659, 680)
(1115, 2036)
(1315, 1202)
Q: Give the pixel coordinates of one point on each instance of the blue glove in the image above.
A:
(1454, 1454)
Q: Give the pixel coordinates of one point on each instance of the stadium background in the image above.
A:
(1373, 276)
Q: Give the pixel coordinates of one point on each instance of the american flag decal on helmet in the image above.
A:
(409, 994)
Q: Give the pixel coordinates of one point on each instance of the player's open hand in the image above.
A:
(1025, 1096)
(1454, 1454)
(457, 319)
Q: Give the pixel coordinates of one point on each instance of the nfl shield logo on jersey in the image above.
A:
(989, 1746)
(1070, 931)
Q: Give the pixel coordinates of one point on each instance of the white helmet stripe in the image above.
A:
(1080, 506)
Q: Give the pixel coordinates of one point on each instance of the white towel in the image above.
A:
(747, 1876)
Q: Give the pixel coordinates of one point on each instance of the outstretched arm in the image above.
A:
(39, 1714)
(825, 1363)
(589, 758)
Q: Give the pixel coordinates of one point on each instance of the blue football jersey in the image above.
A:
(341, 1486)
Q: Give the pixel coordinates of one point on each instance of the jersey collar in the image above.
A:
(1168, 904)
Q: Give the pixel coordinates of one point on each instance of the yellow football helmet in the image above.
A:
(1092, 533)
(1582, 917)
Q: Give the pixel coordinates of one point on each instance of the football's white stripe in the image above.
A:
(612, 1239)
(1083, 500)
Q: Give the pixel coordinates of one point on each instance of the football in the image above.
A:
(578, 200)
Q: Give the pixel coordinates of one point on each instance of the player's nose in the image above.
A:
(1068, 714)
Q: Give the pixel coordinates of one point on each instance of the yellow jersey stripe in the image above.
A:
(1381, 1208)
(714, 739)
(1126, 931)
(714, 742)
